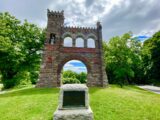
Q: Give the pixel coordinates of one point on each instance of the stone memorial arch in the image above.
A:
(56, 54)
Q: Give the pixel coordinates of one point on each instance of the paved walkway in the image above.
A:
(150, 88)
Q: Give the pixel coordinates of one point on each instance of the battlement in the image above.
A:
(80, 29)
(55, 13)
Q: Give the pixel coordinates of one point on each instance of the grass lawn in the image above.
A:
(113, 103)
(1, 85)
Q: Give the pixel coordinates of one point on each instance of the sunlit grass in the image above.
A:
(1, 86)
(112, 103)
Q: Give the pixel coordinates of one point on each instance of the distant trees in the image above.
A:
(20, 47)
(151, 59)
(69, 76)
(122, 58)
(128, 61)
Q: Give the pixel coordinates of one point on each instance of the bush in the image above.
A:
(8, 83)
(20, 79)
(1, 87)
(70, 80)
(81, 77)
(34, 76)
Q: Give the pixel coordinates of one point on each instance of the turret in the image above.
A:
(99, 34)
(55, 22)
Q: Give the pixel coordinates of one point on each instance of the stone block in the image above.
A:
(74, 114)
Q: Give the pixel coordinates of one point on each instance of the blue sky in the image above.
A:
(76, 66)
(142, 38)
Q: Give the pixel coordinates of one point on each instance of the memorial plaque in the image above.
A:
(73, 99)
(73, 103)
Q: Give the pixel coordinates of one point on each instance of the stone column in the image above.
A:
(73, 42)
(103, 72)
(85, 43)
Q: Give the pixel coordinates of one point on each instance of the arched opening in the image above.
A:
(52, 39)
(74, 71)
(67, 42)
(91, 43)
(79, 42)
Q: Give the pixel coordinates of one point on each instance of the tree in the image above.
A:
(69, 76)
(82, 77)
(122, 59)
(20, 46)
(151, 58)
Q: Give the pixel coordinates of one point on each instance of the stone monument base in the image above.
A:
(73, 114)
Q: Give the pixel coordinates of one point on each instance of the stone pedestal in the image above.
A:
(73, 103)
(74, 114)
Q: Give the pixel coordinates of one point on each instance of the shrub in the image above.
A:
(8, 83)
(20, 79)
(1, 87)
(34, 76)
(70, 80)
(81, 77)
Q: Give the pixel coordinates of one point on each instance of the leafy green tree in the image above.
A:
(137, 62)
(70, 80)
(82, 77)
(122, 58)
(151, 58)
(69, 76)
(20, 46)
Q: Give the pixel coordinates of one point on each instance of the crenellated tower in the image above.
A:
(54, 25)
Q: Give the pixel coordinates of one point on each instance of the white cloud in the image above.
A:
(117, 16)
(76, 68)
(79, 14)
(74, 61)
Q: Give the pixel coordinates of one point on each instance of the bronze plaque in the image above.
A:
(73, 99)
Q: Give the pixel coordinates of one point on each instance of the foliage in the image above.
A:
(1, 86)
(20, 46)
(151, 59)
(69, 76)
(70, 80)
(82, 77)
(112, 103)
(123, 60)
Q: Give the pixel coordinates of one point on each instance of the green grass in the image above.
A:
(113, 103)
(1, 86)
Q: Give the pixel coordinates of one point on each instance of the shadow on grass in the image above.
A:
(50, 118)
(136, 89)
(93, 90)
(30, 91)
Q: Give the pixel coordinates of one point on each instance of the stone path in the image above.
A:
(151, 88)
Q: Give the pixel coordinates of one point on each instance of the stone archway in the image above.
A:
(56, 55)
(79, 58)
